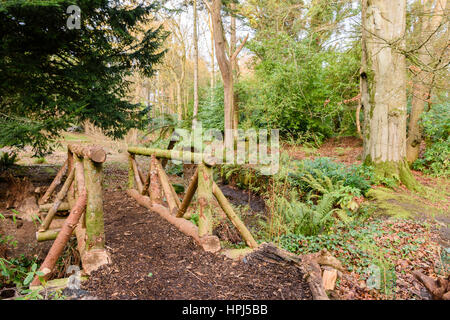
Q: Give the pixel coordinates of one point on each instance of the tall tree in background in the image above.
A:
(428, 58)
(51, 76)
(176, 62)
(212, 78)
(225, 66)
(383, 76)
(195, 32)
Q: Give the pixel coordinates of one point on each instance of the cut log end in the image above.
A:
(210, 244)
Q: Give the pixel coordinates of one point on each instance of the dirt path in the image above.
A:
(152, 260)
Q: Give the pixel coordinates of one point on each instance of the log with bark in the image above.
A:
(68, 227)
(169, 192)
(147, 180)
(155, 186)
(59, 199)
(240, 226)
(95, 153)
(54, 183)
(204, 194)
(64, 206)
(137, 174)
(189, 195)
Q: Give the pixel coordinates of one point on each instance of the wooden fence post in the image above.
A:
(188, 195)
(240, 226)
(155, 190)
(59, 199)
(56, 182)
(205, 183)
(95, 234)
(131, 182)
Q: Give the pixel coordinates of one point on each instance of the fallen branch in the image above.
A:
(439, 289)
(240, 226)
(59, 199)
(54, 183)
(188, 195)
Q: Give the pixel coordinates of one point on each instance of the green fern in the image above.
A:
(7, 159)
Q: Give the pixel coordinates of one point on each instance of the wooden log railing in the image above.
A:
(83, 190)
(147, 192)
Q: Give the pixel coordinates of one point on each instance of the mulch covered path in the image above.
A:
(151, 259)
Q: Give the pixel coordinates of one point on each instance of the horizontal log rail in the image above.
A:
(177, 155)
(94, 153)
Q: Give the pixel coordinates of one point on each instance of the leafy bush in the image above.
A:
(19, 271)
(298, 88)
(291, 216)
(435, 160)
(436, 127)
(355, 177)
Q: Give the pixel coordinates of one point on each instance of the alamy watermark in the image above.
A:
(74, 19)
(74, 282)
(260, 148)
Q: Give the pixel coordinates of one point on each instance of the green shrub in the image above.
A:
(19, 271)
(435, 160)
(356, 177)
(291, 216)
(436, 129)
(298, 88)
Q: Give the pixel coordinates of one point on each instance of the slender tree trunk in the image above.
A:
(179, 102)
(234, 65)
(213, 56)
(384, 89)
(195, 111)
(225, 70)
(233, 42)
(423, 81)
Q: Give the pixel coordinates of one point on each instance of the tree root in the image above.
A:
(439, 289)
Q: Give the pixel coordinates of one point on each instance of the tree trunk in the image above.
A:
(234, 64)
(195, 111)
(205, 194)
(383, 78)
(179, 101)
(95, 234)
(225, 70)
(423, 81)
(213, 55)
